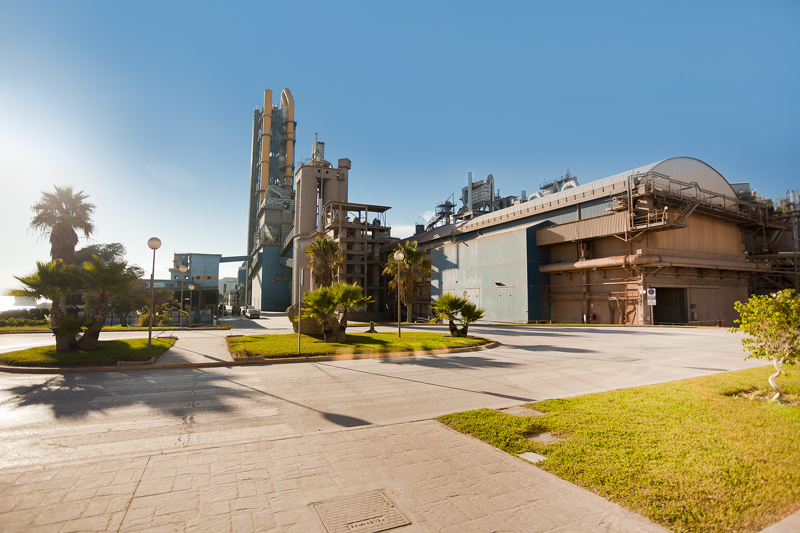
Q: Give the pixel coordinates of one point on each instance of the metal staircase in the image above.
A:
(686, 210)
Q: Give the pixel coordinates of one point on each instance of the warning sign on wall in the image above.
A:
(651, 297)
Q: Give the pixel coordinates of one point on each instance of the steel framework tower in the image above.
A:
(272, 159)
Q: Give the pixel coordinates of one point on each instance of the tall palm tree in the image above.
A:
(53, 280)
(103, 279)
(413, 273)
(61, 215)
(326, 256)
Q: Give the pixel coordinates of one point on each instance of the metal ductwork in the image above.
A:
(650, 260)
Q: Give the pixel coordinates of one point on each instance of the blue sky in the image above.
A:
(130, 102)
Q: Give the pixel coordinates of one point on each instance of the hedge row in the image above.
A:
(15, 322)
(30, 314)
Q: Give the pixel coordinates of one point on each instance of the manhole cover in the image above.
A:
(366, 513)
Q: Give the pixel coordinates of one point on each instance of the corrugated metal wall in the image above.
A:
(584, 229)
(492, 270)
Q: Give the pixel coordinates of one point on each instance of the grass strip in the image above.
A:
(702, 454)
(106, 354)
(281, 346)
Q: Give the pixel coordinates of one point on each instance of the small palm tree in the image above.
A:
(455, 308)
(61, 215)
(413, 274)
(330, 307)
(447, 307)
(348, 298)
(326, 256)
(320, 304)
(103, 279)
(53, 281)
(469, 314)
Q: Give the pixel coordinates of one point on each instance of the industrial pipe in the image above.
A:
(649, 260)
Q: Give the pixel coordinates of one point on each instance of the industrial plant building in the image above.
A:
(272, 204)
(671, 242)
(667, 243)
(290, 207)
(359, 229)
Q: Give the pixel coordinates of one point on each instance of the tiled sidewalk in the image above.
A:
(439, 479)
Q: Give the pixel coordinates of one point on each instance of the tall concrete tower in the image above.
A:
(271, 212)
(318, 184)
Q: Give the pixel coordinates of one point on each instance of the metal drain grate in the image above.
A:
(366, 513)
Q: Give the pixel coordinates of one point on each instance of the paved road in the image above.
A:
(52, 418)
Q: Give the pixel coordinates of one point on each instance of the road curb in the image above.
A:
(341, 357)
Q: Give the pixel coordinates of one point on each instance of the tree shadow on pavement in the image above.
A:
(548, 348)
(75, 395)
(448, 362)
(247, 325)
(439, 385)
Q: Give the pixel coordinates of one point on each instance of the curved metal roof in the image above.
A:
(687, 169)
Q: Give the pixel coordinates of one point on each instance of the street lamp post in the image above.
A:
(154, 243)
(183, 270)
(191, 289)
(398, 256)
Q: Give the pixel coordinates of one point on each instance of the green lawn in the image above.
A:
(107, 354)
(276, 346)
(702, 454)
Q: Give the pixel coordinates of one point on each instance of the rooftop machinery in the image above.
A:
(480, 197)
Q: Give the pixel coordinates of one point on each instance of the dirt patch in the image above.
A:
(544, 438)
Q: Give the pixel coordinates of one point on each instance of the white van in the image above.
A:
(251, 312)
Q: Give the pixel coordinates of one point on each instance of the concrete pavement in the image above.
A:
(200, 347)
(438, 479)
(280, 475)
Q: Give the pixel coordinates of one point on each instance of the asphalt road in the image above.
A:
(54, 418)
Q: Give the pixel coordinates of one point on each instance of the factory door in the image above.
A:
(505, 303)
(670, 306)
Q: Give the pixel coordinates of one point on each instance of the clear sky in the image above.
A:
(147, 106)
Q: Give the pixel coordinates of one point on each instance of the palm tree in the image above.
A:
(60, 214)
(53, 280)
(103, 279)
(414, 272)
(447, 307)
(326, 256)
(325, 303)
(348, 298)
(469, 314)
(320, 304)
(451, 308)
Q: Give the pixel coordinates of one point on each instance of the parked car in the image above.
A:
(251, 312)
